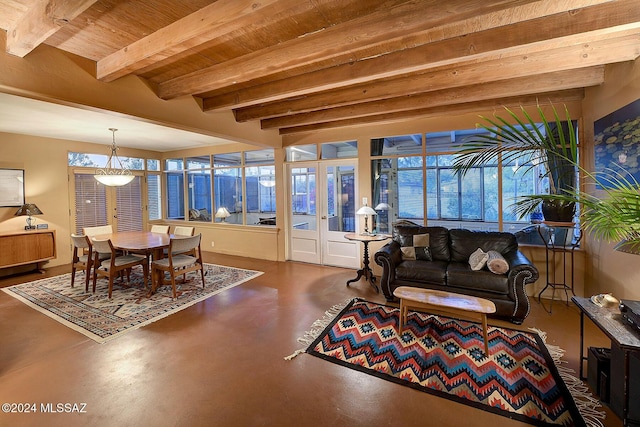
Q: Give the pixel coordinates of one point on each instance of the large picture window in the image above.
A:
(408, 187)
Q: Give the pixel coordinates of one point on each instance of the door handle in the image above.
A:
(323, 217)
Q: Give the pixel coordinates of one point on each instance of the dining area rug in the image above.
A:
(521, 378)
(103, 319)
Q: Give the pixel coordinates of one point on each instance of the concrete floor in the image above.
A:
(221, 362)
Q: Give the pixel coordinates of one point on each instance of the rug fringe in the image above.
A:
(317, 327)
(588, 405)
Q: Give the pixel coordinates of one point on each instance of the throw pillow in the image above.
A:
(415, 246)
(478, 259)
(496, 263)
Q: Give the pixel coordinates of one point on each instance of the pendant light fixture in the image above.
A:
(114, 174)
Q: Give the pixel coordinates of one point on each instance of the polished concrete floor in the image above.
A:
(221, 362)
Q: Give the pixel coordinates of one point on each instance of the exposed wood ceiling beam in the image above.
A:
(213, 21)
(556, 97)
(42, 19)
(557, 30)
(374, 34)
(566, 58)
(551, 82)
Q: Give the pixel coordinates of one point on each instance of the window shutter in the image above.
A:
(91, 202)
(129, 203)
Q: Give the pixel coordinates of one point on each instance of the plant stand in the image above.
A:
(561, 240)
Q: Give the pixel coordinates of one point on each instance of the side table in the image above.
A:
(366, 271)
(624, 340)
(560, 241)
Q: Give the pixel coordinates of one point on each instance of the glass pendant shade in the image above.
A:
(110, 176)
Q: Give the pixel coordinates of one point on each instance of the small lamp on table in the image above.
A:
(366, 211)
(29, 209)
(223, 214)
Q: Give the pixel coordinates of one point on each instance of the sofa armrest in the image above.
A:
(521, 272)
(388, 257)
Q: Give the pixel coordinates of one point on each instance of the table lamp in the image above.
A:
(223, 214)
(366, 211)
(29, 209)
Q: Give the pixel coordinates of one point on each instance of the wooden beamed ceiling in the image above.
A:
(302, 66)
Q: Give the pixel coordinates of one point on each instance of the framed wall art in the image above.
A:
(11, 187)
(617, 142)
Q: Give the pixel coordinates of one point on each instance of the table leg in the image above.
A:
(485, 334)
(581, 345)
(366, 270)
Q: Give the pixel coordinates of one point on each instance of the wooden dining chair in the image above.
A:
(116, 264)
(99, 230)
(181, 230)
(82, 258)
(179, 261)
(164, 229)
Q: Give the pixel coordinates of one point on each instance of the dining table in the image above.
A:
(140, 242)
(145, 242)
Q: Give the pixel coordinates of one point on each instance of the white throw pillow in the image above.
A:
(496, 263)
(478, 259)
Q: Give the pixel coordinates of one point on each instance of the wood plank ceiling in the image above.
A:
(301, 66)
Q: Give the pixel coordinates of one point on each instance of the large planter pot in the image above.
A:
(558, 210)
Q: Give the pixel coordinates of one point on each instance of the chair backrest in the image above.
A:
(183, 231)
(80, 241)
(96, 231)
(102, 246)
(164, 229)
(184, 244)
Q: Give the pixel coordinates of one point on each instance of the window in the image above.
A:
(199, 188)
(154, 193)
(175, 188)
(301, 153)
(303, 188)
(228, 193)
(470, 201)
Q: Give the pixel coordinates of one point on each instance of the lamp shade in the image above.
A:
(28, 209)
(366, 210)
(382, 207)
(222, 213)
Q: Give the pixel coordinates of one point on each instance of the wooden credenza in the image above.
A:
(27, 247)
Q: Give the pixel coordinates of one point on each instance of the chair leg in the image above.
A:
(173, 285)
(73, 274)
(202, 275)
(110, 285)
(87, 272)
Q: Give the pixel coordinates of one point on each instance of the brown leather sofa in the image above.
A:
(448, 268)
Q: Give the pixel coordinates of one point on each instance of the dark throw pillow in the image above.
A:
(415, 246)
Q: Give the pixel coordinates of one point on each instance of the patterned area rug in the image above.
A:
(103, 319)
(445, 357)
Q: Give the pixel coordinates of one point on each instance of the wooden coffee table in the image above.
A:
(447, 303)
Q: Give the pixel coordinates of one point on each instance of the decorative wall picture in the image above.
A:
(11, 187)
(617, 141)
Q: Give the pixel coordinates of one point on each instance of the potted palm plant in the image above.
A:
(525, 141)
(614, 217)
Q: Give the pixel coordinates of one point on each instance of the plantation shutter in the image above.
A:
(129, 206)
(91, 202)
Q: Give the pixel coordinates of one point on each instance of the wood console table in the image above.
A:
(27, 247)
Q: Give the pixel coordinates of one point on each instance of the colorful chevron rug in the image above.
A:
(103, 319)
(445, 357)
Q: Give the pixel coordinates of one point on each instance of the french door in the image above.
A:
(321, 210)
(96, 204)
